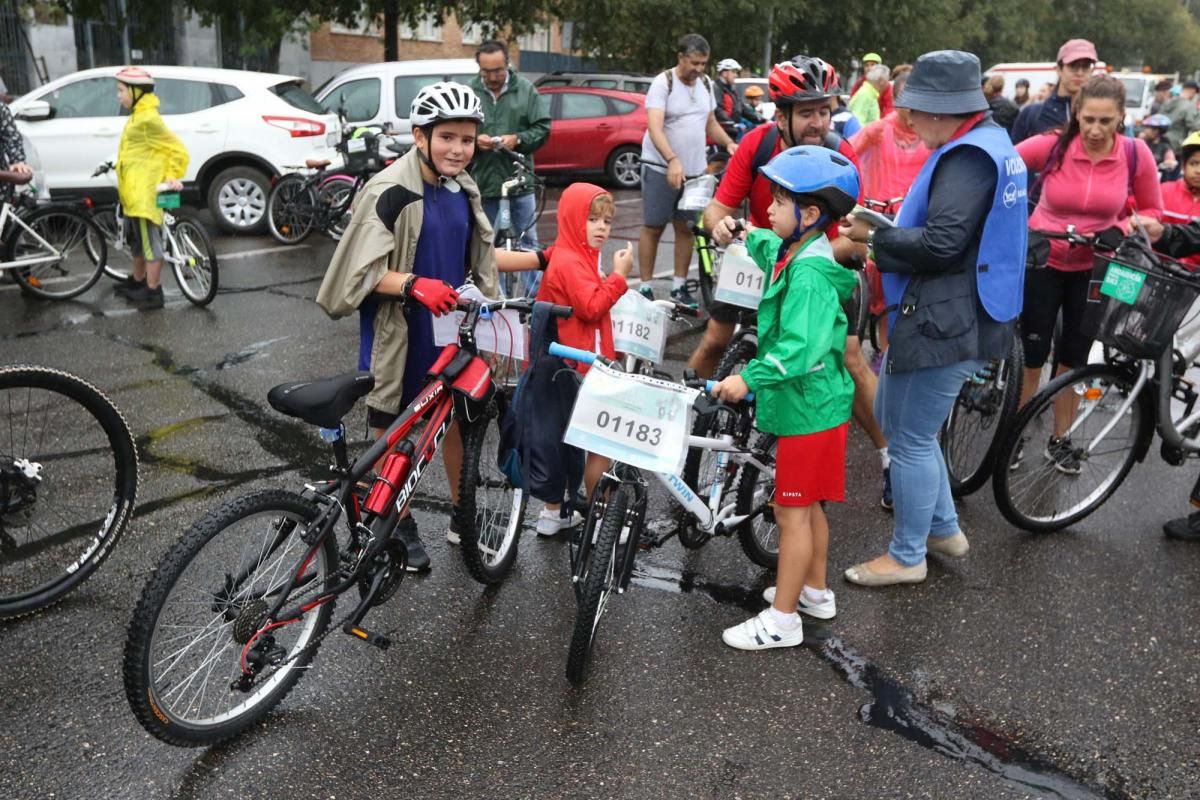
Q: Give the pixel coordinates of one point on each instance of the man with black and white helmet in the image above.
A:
(417, 231)
(730, 107)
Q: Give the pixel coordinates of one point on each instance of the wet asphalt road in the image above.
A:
(1040, 666)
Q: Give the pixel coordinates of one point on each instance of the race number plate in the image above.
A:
(639, 327)
(503, 333)
(741, 280)
(635, 419)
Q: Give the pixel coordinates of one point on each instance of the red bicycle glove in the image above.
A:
(438, 296)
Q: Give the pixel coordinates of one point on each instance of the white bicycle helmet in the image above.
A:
(728, 63)
(443, 101)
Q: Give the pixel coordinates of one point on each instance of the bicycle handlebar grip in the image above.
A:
(573, 353)
(562, 312)
(685, 310)
(708, 387)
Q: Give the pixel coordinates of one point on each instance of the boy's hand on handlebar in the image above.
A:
(732, 390)
(438, 296)
(1154, 229)
(623, 261)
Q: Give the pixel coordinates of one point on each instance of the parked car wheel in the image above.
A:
(237, 199)
(624, 167)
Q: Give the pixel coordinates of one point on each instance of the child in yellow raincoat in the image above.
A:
(149, 154)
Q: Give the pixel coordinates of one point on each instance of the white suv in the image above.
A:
(382, 94)
(241, 130)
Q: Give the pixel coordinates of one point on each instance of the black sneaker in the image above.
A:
(1064, 455)
(145, 297)
(682, 295)
(1185, 528)
(453, 534)
(418, 559)
(646, 291)
(128, 286)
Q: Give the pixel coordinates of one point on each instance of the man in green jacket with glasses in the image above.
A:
(517, 118)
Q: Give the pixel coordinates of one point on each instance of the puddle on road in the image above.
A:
(894, 708)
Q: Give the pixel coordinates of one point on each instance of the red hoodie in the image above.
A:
(573, 277)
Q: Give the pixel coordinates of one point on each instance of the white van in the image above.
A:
(381, 94)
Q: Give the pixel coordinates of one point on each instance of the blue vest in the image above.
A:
(1000, 268)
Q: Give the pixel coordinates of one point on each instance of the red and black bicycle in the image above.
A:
(237, 607)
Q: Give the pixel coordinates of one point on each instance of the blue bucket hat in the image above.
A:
(944, 82)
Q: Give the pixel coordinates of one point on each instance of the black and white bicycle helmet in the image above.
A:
(444, 101)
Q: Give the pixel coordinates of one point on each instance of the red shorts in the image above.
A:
(811, 467)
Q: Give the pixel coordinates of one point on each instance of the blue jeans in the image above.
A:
(523, 208)
(911, 407)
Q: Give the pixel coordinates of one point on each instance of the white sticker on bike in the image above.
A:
(741, 281)
(503, 333)
(636, 419)
(639, 327)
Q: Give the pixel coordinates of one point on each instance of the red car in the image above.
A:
(594, 130)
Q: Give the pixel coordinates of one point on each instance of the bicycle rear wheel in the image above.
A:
(194, 261)
(596, 579)
(336, 195)
(72, 248)
(118, 264)
(984, 408)
(203, 611)
(1043, 488)
(68, 481)
(491, 511)
(292, 209)
(759, 535)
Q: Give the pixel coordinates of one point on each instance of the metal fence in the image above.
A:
(15, 64)
(118, 37)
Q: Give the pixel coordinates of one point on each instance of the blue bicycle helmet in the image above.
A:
(1161, 121)
(816, 171)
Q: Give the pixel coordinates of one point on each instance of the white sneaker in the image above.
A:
(452, 529)
(761, 633)
(551, 523)
(826, 609)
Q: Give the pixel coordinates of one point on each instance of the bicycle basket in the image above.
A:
(360, 153)
(1133, 304)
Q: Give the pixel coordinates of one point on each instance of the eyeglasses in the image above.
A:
(1079, 66)
(494, 71)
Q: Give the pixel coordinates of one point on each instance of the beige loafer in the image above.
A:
(956, 545)
(865, 576)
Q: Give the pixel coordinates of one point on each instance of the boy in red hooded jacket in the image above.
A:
(573, 278)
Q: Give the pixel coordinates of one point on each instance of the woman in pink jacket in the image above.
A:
(1092, 177)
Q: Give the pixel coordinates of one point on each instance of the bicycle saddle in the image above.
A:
(317, 163)
(16, 178)
(322, 402)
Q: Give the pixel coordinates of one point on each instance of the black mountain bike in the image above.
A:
(236, 609)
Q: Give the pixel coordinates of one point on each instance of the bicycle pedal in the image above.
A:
(376, 639)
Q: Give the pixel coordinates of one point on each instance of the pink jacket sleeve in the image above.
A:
(1147, 189)
(1035, 150)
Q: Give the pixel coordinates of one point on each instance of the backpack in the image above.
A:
(766, 148)
(671, 82)
(531, 452)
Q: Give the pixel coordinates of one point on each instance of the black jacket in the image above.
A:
(729, 110)
(946, 322)
(1180, 241)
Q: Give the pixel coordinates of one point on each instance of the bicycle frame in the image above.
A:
(170, 245)
(712, 517)
(6, 216)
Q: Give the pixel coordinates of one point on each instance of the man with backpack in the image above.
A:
(679, 114)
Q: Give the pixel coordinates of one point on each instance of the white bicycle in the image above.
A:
(55, 252)
(187, 248)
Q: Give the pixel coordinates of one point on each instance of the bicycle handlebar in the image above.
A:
(588, 357)
(708, 387)
(699, 230)
(520, 304)
(512, 155)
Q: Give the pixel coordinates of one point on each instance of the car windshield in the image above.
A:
(1134, 88)
(294, 95)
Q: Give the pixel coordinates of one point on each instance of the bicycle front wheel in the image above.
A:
(64, 251)
(759, 535)
(203, 614)
(68, 481)
(491, 511)
(291, 209)
(596, 579)
(195, 261)
(739, 353)
(984, 408)
(1044, 484)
